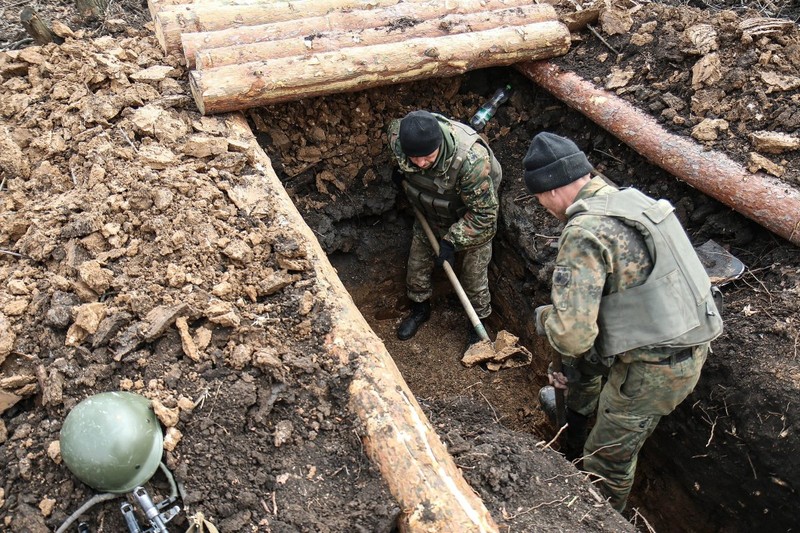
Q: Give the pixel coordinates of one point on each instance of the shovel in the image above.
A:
(720, 265)
(451, 275)
(505, 353)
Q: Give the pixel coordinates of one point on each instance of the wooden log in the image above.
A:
(37, 28)
(398, 438)
(337, 40)
(154, 6)
(339, 21)
(266, 82)
(171, 21)
(768, 201)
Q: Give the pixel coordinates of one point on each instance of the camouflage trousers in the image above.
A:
(629, 407)
(474, 274)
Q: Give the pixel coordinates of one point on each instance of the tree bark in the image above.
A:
(338, 21)
(266, 82)
(337, 40)
(768, 201)
(171, 21)
(397, 436)
(37, 28)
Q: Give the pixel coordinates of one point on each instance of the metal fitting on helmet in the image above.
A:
(112, 441)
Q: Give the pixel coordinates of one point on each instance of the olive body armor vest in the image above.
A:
(674, 307)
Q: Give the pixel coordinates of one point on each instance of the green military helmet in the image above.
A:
(112, 441)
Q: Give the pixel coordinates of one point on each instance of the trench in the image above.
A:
(367, 242)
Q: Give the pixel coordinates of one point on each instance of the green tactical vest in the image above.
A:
(438, 198)
(674, 307)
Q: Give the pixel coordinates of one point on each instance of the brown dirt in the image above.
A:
(124, 200)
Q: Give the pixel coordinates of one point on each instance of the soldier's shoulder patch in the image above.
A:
(562, 276)
(472, 157)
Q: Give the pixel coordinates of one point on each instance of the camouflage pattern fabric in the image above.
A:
(473, 275)
(599, 255)
(631, 405)
(479, 223)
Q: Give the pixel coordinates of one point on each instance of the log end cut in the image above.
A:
(159, 31)
(195, 83)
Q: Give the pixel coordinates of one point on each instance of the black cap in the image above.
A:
(420, 134)
(552, 162)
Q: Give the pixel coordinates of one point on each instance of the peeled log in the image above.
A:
(325, 42)
(171, 21)
(341, 21)
(154, 6)
(267, 82)
(769, 201)
(419, 472)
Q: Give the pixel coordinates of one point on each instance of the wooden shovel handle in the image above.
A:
(462, 296)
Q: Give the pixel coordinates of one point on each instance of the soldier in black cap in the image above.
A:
(632, 316)
(452, 176)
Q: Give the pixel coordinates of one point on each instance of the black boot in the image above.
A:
(577, 431)
(420, 313)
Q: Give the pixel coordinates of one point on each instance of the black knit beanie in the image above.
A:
(420, 134)
(552, 162)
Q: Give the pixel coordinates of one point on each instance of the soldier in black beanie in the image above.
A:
(633, 333)
(451, 175)
(420, 134)
(552, 162)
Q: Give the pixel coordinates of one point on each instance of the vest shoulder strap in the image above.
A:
(465, 138)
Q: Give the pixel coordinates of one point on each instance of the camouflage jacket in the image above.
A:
(479, 222)
(597, 255)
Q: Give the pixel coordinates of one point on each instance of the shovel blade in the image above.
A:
(720, 265)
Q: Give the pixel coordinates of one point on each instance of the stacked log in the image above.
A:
(171, 21)
(249, 53)
(396, 20)
(261, 83)
(337, 39)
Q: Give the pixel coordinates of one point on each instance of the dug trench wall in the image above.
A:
(150, 249)
(397, 435)
(684, 467)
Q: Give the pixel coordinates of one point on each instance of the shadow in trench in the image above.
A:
(374, 274)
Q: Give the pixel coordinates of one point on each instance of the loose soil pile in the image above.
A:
(153, 263)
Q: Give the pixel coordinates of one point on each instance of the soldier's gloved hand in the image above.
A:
(397, 178)
(538, 319)
(447, 252)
